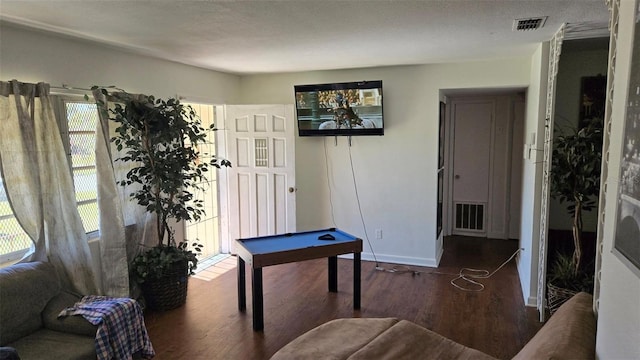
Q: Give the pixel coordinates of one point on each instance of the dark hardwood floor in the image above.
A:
(296, 299)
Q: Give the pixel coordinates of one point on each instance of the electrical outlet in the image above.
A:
(378, 233)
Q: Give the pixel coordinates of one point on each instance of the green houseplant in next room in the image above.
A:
(160, 138)
(575, 179)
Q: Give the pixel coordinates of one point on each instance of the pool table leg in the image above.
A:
(356, 280)
(242, 289)
(333, 273)
(256, 284)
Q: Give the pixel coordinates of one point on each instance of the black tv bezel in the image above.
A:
(373, 84)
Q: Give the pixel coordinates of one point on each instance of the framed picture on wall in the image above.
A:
(627, 239)
(593, 96)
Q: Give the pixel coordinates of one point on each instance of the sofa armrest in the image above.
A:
(569, 334)
(8, 353)
(70, 324)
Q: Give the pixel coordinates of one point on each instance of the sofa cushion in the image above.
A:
(569, 334)
(374, 338)
(75, 324)
(407, 341)
(56, 345)
(334, 340)
(26, 290)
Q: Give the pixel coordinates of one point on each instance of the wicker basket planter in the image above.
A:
(169, 291)
(556, 296)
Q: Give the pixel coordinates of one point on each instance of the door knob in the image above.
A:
(292, 189)
(457, 176)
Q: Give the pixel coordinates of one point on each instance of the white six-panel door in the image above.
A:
(261, 182)
(471, 166)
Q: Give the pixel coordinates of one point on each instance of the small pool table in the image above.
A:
(264, 251)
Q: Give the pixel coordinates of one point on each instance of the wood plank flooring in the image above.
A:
(296, 300)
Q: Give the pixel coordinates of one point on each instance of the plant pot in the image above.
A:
(556, 296)
(169, 291)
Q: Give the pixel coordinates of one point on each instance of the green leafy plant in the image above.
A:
(563, 274)
(154, 262)
(161, 139)
(575, 179)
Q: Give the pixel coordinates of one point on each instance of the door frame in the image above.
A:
(470, 96)
(223, 180)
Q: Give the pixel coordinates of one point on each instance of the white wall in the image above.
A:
(34, 56)
(532, 175)
(396, 173)
(619, 307)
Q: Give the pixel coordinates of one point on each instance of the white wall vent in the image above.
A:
(529, 23)
(469, 217)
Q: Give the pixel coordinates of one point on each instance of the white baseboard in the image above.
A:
(532, 301)
(402, 260)
(439, 256)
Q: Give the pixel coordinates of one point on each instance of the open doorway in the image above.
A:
(206, 229)
(484, 163)
(578, 120)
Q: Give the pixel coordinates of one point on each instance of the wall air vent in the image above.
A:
(469, 216)
(529, 24)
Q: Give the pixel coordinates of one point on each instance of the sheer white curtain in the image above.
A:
(39, 185)
(123, 223)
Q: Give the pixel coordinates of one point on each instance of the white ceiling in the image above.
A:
(261, 36)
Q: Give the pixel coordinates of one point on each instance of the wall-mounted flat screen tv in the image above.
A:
(345, 109)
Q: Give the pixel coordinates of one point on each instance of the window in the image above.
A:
(79, 138)
(13, 240)
(78, 120)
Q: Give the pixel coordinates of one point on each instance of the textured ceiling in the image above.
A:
(247, 37)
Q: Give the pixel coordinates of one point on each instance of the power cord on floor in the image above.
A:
(399, 269)
(479, 274)
(467, 275)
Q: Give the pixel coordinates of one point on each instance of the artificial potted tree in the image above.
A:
(575, 179)
(160, 138)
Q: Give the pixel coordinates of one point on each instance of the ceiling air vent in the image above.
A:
(529, 24)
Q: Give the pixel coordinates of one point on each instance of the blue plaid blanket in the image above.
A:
(121, 331)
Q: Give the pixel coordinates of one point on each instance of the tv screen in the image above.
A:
(352, 108)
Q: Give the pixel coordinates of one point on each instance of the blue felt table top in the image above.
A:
(284, 242)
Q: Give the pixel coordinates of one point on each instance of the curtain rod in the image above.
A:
(68, 90)
(69, 87)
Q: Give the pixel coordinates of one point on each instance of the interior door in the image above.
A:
(260, 142)
(471, 166)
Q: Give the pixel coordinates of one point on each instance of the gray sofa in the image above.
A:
(30, 300)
